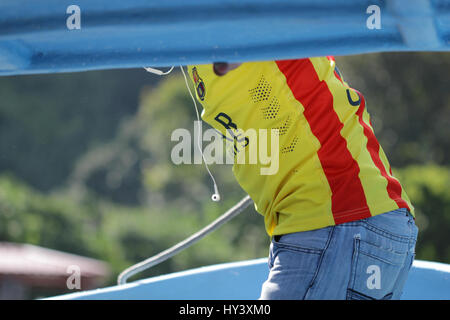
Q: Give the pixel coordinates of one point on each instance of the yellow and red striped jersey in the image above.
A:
(332, 169)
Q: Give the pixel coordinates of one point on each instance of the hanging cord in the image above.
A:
(164, 255)
(216, 195)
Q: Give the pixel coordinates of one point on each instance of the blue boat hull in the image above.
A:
(243, 280)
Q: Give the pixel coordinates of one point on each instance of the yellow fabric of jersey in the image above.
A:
(331, 169)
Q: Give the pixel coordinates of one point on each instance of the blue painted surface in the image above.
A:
(243, 280)
(34, 37)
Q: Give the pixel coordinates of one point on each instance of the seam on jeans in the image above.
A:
(404, 239)
(381, 232)
(407, 264)
(351, 282)
(381, 259)
(313, 280)
(291, 247)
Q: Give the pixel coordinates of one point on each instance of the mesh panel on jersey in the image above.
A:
(262, 91)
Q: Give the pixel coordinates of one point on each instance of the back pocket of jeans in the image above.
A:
(374, 271)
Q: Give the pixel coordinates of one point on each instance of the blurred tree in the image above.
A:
(407, 95)
(141, 153)
(429, 189)
(48, 121)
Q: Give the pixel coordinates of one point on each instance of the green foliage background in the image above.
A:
(85, 162)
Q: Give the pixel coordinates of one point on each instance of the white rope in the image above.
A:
(164, 255)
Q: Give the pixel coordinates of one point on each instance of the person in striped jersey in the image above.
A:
(342, 226)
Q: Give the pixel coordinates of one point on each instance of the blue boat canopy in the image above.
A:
(50, 36)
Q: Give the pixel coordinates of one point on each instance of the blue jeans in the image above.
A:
(364, 259)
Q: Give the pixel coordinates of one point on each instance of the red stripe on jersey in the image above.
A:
(348, 201)
(394, 188)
